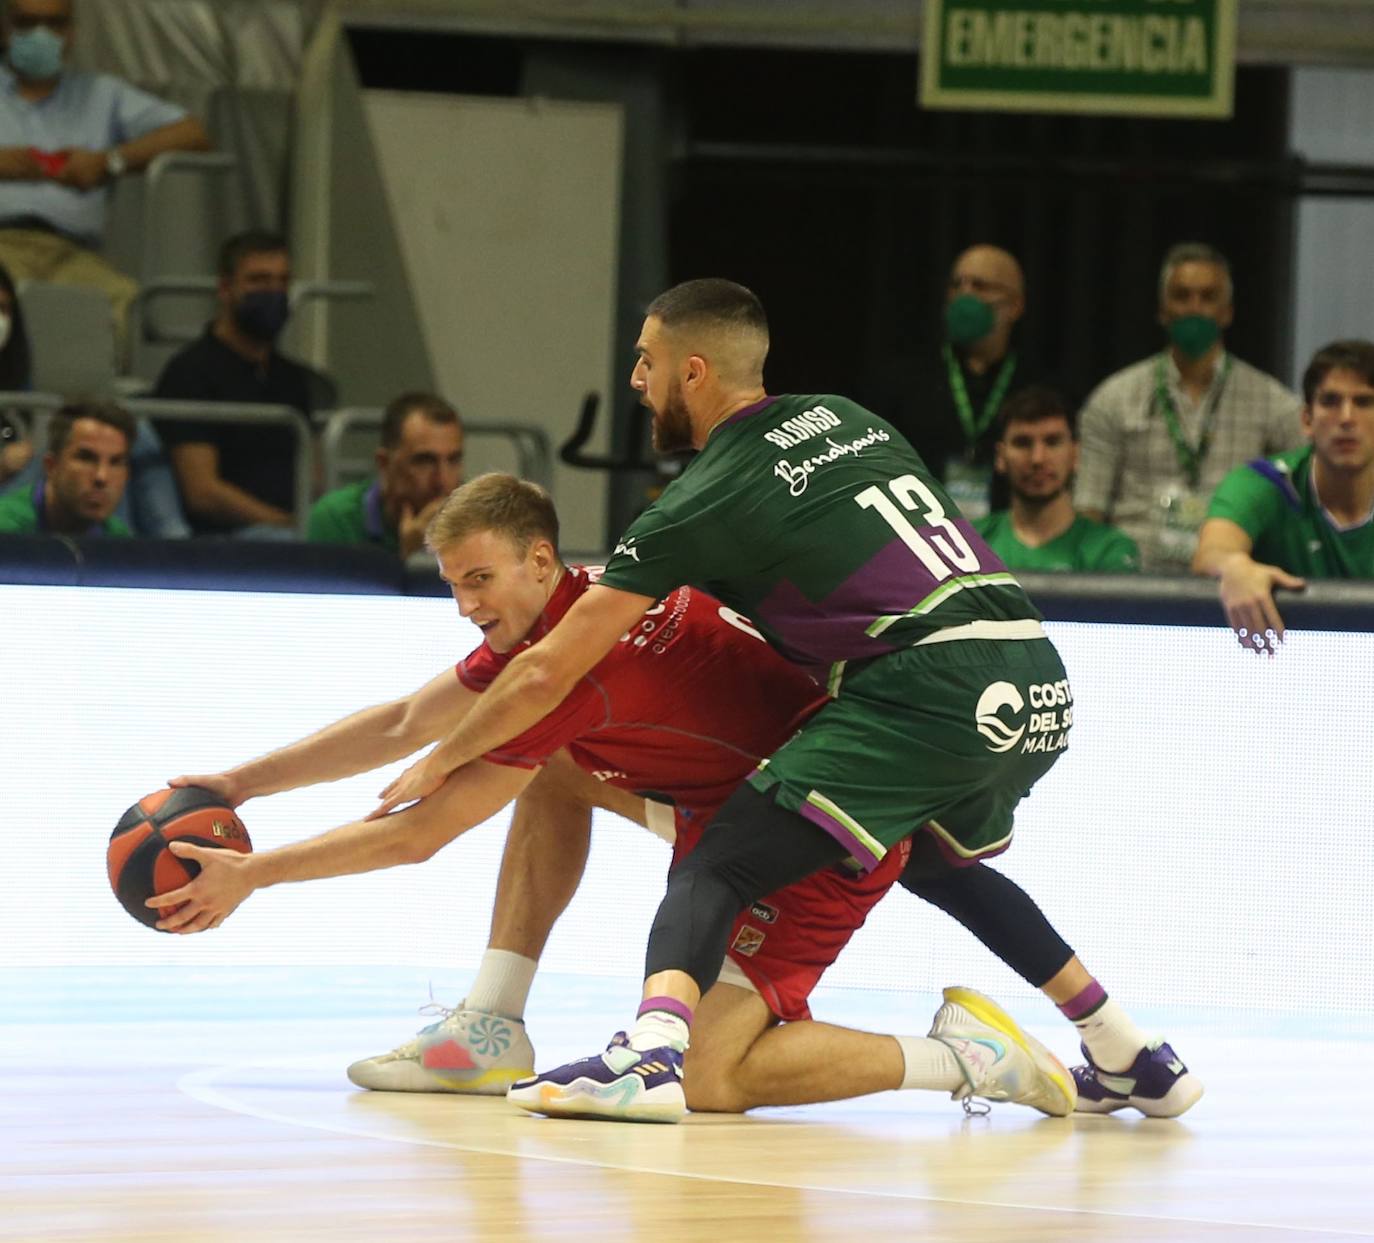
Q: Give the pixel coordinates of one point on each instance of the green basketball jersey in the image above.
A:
(351, 515)
(1087, 547)
(817, 520)
(21, 514)
(1272, 500)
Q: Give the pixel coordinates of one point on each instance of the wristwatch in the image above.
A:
(115, 163)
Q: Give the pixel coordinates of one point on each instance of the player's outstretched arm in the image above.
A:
(526, 691)
(1247, 586)
(467, 798)
(366, 740)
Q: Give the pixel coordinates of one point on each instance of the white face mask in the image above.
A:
(6, 323)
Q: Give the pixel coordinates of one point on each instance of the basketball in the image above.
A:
(139, 863)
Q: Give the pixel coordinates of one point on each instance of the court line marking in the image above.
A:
(199, 1085)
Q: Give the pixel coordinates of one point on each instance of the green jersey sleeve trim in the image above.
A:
(1250, 499)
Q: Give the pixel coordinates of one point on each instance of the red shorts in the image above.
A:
(783, 943)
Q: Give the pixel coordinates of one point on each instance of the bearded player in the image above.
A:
(815, 517)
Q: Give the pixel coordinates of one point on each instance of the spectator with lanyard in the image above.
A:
(1159, 435)
(946, 400)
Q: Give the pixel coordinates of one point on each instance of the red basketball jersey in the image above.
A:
(684, 706)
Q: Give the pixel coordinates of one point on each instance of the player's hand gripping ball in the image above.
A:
(139, 862)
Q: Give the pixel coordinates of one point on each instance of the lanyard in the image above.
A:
(1190, 457)
(959, 390)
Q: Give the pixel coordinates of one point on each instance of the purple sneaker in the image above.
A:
(621, 1084)
(1157, 1083)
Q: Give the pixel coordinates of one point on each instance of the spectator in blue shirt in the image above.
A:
(64, 137)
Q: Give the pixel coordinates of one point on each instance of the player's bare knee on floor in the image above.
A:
(730, 1020)
(714, 1088)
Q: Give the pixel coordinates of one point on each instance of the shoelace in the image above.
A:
(436, 1009)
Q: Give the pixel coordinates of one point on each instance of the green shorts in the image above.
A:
(948, 736)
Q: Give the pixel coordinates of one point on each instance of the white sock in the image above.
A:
(1111, 1036)
(502, 985)
(930, 1064)
(655, 1028)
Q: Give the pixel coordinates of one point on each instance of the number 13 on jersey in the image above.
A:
(942, 550)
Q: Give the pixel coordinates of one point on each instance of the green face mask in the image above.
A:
(967, 319)
(1194, 334)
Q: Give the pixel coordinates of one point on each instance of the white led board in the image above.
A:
(1203, 842)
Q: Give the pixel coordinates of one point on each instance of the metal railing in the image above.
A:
(531, 445)
(32, 406)
(161, 169)
(298, 294)
(222, 412)
(39, 406)
(154, 281)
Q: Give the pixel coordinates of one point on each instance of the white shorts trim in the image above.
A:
(730, 973)
(1026, 628)
(661, 820)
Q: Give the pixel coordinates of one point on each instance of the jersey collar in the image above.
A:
(760, 405)
(575, 581)
(1339, 527)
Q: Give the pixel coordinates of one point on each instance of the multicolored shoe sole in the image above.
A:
(646, 1089)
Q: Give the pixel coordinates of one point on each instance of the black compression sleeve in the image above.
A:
(995, 909)
(750, 849)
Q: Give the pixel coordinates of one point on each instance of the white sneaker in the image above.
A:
(1000, 1062)
(468, 1051)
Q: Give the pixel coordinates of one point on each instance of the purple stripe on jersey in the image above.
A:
(748, 410)
(865, 858)
(891, 582)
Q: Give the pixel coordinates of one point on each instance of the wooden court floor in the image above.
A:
(219, 1131)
